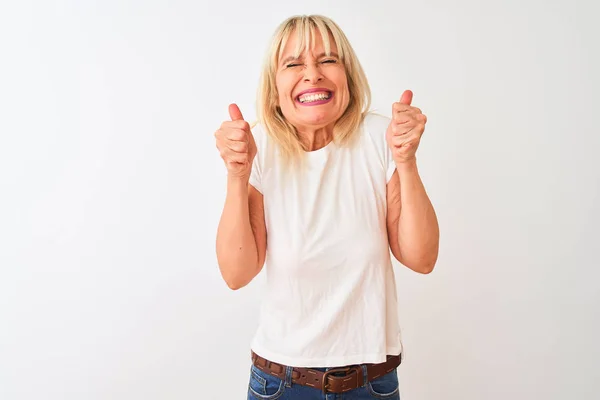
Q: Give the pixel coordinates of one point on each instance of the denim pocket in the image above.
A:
(386, 386)
(264, 386)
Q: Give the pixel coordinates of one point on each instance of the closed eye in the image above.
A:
(328, 61)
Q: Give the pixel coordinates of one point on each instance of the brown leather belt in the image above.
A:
(327, 382)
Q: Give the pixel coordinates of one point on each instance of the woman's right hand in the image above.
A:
(236, 144)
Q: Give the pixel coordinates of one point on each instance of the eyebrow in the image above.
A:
(292, 58)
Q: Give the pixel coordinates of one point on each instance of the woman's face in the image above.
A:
(312, 89)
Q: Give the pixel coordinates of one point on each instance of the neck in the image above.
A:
(315, 138)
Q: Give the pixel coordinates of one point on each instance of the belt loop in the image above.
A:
(288, 376)
(365, 377)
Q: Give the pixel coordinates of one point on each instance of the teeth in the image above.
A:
(313, 97)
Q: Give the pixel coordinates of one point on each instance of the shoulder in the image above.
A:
(374, 127)
(258, 130)
(375, 124)
(266, 149)
(376, 120)
(374, 130)
(261, 138)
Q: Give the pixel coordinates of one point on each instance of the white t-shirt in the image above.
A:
(330, 298)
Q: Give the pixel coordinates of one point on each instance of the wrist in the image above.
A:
(407, 165)
(235, 182)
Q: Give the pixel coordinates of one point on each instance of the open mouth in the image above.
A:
(315, 98)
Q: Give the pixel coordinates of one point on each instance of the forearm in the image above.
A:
(418, 230)
(237, 252)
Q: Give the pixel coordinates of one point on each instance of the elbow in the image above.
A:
(235, 282)
(428, 261)
(239, 277)
(425, 268)
(424, 265)
(234, 285)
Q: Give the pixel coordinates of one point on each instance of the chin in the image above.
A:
(319, 118)
(317, 123)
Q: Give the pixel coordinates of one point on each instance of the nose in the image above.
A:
(312, 73)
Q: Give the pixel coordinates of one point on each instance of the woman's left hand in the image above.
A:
(405, 130)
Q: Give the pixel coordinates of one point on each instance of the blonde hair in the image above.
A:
(269, 114)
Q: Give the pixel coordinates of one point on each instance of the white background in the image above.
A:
(111, 191)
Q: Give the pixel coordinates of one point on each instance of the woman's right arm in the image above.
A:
(242, 235)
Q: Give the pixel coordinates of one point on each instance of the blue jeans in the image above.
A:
(263, 386)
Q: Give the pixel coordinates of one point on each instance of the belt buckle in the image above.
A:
(332, 371)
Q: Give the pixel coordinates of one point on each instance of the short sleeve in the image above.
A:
(256, 172)
(377, 125)
(390, 164)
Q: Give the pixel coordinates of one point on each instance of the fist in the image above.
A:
(236, 144)
(405, 130)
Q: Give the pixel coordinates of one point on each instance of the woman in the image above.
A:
(322, 190)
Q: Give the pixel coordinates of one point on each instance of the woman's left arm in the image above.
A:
(413, 229)
(412, 225)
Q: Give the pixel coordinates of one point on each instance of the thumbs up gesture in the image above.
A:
(405, 130)
(236, 144)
